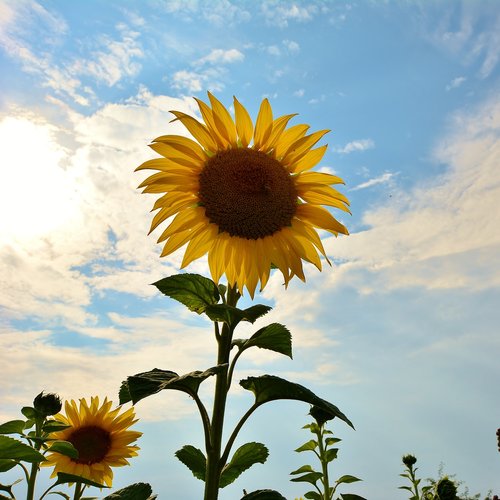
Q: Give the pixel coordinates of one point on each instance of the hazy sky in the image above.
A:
(402, 333)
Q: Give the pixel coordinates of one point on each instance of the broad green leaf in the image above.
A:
(314, 427)
(270, 388)
(63, 478)
(7, 464)
(14, 449)
(347, 479)
(253, 313)
(263, 495)
(54, 426)
(12, 427)
(145, 384)
(224, 313)
(137, 491)
(304, 468)
(274, 337)
(64, 448)
(313, 495)
(244, 457)
(28, 412)
(194, 459)
(310, 477)
(309, 446)
(193, 290)
(331, 454)
(350, 496)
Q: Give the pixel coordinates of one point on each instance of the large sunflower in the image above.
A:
(244, 194)
(101, 437)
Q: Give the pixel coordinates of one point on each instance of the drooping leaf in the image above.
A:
(145, 384)
(253, 313)
(263, 495)
(351, 496)
(309, 446)
(137, 491)
(7, 464)
(12, 427)
(63, 478)
(270, 388)
(244, 457)
(274, 337)
(347, 479)
(194, 459)
(64, 448)
(310, 477)
(330, 441)
(304, 468)
(14, 449)
(331, 454)
(193, 290)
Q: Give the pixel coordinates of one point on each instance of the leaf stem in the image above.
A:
(324, 465)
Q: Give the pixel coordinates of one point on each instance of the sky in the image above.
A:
(401, 333)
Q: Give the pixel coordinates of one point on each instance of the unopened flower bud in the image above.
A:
(321, 416)
(446, 489)
(409, 460)
(47, 404)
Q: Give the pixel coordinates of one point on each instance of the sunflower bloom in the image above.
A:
(244, 194)
(101, 437)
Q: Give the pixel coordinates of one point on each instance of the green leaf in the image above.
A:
(304, 468)
(244, 457)
(270, 388)
(330, 441)
(331, 454)
(137, 491)
(29, 412)
(351, 496)
(7, 464)
(194, 459)
(274, 337)
(14, 449)
(407, 488)
(309, 446)
(347, 479)
(222, 312)
(310, 477)
(193, 290)
(63, 478)
(313, 495)
(253, 313)
(146, 384)
(12, 427)
(64, 448)
(54, 426)
(263, 495)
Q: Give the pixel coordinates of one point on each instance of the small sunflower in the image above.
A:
(101, 437)
(244, 194)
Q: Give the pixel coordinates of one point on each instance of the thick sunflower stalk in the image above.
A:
(244, 195)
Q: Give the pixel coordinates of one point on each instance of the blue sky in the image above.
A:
(401, 333)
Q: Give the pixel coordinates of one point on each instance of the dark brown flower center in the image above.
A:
(247, 193)
(92, 443)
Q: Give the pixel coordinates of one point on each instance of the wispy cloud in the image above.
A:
(455, 83)
(281, 13)
(381, 179)
(358, 145)
(221, 56)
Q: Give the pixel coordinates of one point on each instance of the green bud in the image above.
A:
(321, 416)
(409, 460)
(47, 404)
(446, 489)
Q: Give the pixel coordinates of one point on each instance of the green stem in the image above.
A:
(34, 466)
(78, 491)
(214, 463)
(324, 465)
(414, 482)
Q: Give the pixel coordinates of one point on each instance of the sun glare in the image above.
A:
(36, 194)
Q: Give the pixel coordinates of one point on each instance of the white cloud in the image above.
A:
(456, 82)
(221, 56)
(381, 179)
(281, 12)
(291, 46)
(444, 232)
(273, 50)
(299, 93)
(189, 80)
(358, 145)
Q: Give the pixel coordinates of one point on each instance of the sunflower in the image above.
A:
(101, 437)
(244, 194)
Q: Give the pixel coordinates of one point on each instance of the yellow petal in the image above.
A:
(263, 125)
(323, 195)
(278, 127)
(223, 120)
(179, 239)
(197, 130)
(310, 234)
(188, 218)
(183, 144)
(301, 146)
(244, 125)
(174, 154)
(208, 118)
(308, 161)
(168, 178)
(320, 217)
(317, 177)
(288, 137)
(171, 198)
(200, 244)
(168, 211)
